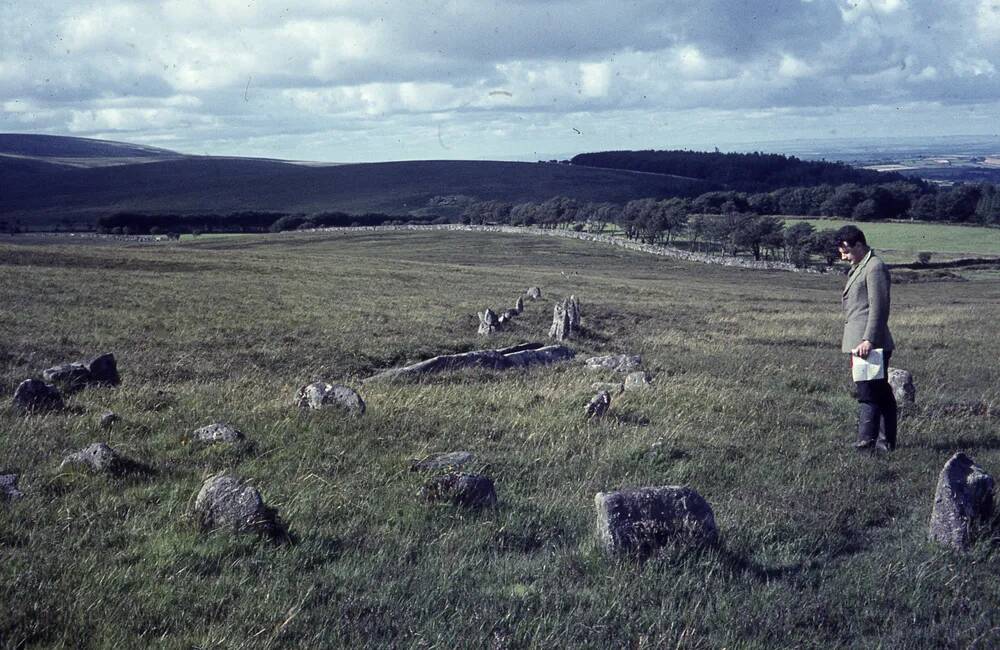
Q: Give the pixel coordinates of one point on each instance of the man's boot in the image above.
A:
(887, 432)
(868, 425)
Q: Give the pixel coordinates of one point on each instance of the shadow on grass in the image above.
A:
(630, 418)
(742, 564)
(735, 562)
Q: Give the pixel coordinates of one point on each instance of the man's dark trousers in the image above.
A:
(877, 408)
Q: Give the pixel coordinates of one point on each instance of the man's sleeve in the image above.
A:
(878, 304)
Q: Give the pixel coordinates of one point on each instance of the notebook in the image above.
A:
(867, 369)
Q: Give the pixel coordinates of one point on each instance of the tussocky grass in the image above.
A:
(820, 547)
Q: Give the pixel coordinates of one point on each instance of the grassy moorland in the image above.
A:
(820, 547)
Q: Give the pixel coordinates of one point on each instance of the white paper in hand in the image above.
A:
(866, 369)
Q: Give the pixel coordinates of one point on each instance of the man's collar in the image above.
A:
(865, 258)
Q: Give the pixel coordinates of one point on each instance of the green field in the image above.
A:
(820, 547)
(902, 241)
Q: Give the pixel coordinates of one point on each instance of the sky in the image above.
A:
(354, 81)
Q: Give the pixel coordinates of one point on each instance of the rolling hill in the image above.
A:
(48, 180)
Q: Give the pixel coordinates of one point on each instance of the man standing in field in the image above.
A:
(866, 327)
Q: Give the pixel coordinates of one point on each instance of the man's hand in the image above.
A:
(863, 349)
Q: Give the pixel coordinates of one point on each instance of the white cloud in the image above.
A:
(595, 79)
(132, 119)
(252, 69)
(972, 67)
(988, 20)
(794, 67)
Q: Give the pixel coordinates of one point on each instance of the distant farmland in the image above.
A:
(902, 241)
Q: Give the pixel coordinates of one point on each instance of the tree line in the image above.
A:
(729, 222)
(971, 203)
(748, 172)
(139, 223)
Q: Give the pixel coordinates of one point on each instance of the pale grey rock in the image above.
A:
(616, 362)
(318, 395)
(534, 293)
(33, 394)
(67, 375)
(442, 461)
(520, 347)
(644, 519)
(517, 356)
(560, 328)
(218, 432)
(541, 356)
(97, 457)
(488, 322)
(70, 376)
(636, 380)
(468, 490)
(8, 487)
(902, 385)
(599, 405)
(108, 419)
(963, 500)
(508, 315)
(519, 305)
(230, 503)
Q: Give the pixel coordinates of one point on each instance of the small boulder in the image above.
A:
(616, 362)
(636, 380)
(32, 394)
(98, 457)
(963, 499)
(644, 519)
(534, 293)
(217, 432)
(519, 305)
(104, 369)
(67, 375)
(8, 487)
(599, 405)
(468, 490)
(228, 502)
(441, 461)
(320, 394)
(488, 322)
(902, 385)
(508, 315)
(108, 419)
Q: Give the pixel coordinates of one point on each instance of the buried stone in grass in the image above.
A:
(218, 432)
(644, 519)
(320, 394)
(460, 489)
(100, 458)
(35, 395)
(226, 502)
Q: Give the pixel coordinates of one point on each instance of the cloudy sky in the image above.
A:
(347, 80)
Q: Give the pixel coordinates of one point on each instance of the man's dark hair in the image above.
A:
(851, 235)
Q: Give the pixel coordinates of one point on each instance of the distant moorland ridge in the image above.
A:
(55, 182)
(47, 181)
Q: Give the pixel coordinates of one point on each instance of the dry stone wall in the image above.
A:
(653, 249)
